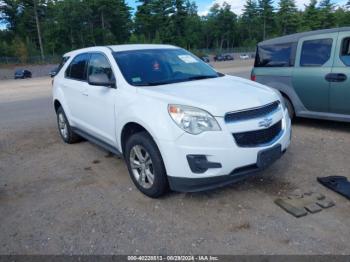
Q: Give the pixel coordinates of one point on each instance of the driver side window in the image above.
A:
(99, 65)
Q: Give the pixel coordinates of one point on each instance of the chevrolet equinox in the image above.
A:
(177, 122)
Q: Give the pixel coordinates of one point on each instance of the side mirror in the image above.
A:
(101, 79)
(53, 73)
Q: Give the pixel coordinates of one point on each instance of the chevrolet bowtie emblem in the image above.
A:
(265, 123)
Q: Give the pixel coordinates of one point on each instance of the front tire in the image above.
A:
(64, 128)
(145, 165)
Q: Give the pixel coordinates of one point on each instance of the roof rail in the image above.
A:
(109, 48)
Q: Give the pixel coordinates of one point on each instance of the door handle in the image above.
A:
(85, 94)
(336, 77)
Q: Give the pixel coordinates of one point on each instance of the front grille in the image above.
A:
(258, 137)
(252, 113)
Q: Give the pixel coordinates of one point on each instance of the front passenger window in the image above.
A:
(345, 51)
(99, 64)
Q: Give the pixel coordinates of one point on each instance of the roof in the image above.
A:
(120, 48)
(295, 37)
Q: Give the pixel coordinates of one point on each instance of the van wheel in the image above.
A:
(65, 130)
(145, 165)
(290, 107)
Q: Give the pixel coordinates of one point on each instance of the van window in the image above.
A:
(345, 51)
(280, 55)
(77, 68)
(316, 52)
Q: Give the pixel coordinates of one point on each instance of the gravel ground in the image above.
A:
(78, 199)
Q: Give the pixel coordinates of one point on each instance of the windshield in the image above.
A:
(161, 66)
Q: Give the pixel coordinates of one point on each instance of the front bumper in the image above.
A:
(219, 147)
(182, 184)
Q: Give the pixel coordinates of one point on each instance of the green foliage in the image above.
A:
(62, 25)
(266, 17)
(20, 49)
(68, 24)
(311, 17)
(287, 17)
(250, 24)
(326, 16)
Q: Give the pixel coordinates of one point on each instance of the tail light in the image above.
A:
(253, 77)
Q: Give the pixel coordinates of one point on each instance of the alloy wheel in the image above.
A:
(62, 124)
(142, 166)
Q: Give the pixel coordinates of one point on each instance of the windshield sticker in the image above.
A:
(136, 79)
(188, 59)
(156, 66)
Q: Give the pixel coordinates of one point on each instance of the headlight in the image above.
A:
(281, 98)
(193, 120)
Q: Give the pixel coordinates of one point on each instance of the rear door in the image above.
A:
(314, 61)
(339, 97)
(75, 86)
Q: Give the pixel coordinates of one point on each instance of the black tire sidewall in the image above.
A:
(160, 185)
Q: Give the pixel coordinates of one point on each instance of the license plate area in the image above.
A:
(268, 156)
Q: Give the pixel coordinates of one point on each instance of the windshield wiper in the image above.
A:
(199, 77)
(157, 83)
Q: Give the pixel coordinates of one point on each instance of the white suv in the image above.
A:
(177, 122)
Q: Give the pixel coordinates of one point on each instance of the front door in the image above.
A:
(339, 97)
(314, 61)
(100, 115)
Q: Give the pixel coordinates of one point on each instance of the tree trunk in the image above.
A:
(71, 38)
(221, 44)
(38, 29)
(264, 36)
(103, 27)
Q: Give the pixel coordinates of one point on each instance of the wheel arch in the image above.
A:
(57, 104)
(129, 129)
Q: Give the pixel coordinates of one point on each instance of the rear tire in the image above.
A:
(145, 165)
(64, 128)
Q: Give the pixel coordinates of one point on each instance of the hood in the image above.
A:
(216, 95)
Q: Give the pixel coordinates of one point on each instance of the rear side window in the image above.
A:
(77, 68)
(316, 52)
(63, 61)
(279, 55)
(345, 51)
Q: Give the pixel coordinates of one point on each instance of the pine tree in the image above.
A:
(143, 19)
(154, 17)
(327, 18)
(311, 17)
(250, 21)
(266, 16)
(287, 17)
